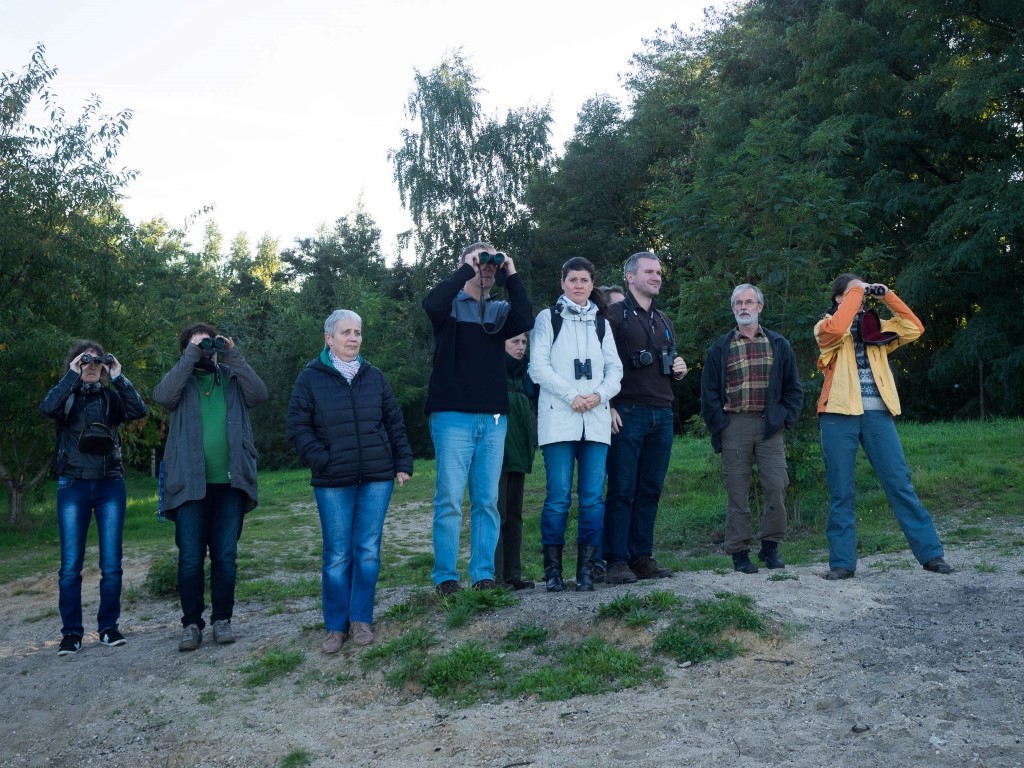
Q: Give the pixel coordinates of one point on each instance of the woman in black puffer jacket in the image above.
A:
(345, 422)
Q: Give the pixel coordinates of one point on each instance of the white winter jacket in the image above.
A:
(553, 369)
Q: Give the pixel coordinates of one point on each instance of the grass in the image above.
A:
(273, 664)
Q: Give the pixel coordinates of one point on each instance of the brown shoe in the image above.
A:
(333, 642)
(619, 573)
(450, 587)
(485, 584)
(361, 633)
(647, 567)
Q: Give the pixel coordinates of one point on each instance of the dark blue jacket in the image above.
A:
(783, 401)
(347, 433)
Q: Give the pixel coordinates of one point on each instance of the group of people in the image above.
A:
(595, 394)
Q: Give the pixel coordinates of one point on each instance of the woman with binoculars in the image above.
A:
(577, 367)
(88, 403)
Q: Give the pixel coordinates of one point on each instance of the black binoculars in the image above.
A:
(584, 370)
(486, 257)
(217, 343)
(875, 290)
(87, 358)
(667, 355)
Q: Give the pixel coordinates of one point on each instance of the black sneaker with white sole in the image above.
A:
(69, 645)
(112, 637)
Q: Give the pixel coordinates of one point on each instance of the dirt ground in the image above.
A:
(897, 667)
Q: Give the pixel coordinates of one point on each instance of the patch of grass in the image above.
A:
(462, 606)
(964, 534)
(590, 667)
(407, 655)
(276, 590)
(297, 758)
(894, 565)
(783, 576)
(986, 567)
(523, 636)
(635, 610)
(207, 697)
(464, 675)
(162, 578)
(273, 664)
(418, 605)
(639, 618)
(697, 633)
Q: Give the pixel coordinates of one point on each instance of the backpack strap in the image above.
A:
(556, 324)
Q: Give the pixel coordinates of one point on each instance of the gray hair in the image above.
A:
(478, 246)
(746, 287)
(629, 268)
(337, 315)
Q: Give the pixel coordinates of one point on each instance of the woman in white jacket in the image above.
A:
(575, 363)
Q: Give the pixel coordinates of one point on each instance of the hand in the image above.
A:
(509, 266)
(616, 422)
(679, 369)
(229, 343)
(879, 289)
(401, 477)
(198, 337)
(76, 364)
(115, 368)
(591, 401)
(578, 404)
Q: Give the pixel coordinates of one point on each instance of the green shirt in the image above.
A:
(213, 413)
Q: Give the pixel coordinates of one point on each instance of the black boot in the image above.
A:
(553, 568)
(741, 562)
(585, 554)
(769, 554)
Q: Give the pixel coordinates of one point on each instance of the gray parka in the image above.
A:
(184, 459)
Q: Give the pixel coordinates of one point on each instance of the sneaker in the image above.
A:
(938, 565)
(112, 637)
(517, 584)
(449, 587)
(333, 642)
(191, 638)
(222, 634)
(647, 567)
(619, 573)
(599, 573)
(741, 562)
(485, 584)
(361, 633)
(838, 574)
(69, 644)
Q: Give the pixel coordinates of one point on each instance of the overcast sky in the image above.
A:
(280, 113)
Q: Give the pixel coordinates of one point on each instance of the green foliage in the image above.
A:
(274, 663)
(463, 675)
(697, 633)
(296, 758)
(524, 635)
(162, 577)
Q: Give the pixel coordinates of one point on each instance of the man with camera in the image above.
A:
(641, 423)
(750, 391)
(467, 405)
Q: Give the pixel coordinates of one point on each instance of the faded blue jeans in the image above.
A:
(560, 459)
(468, 448)
(77, 501)
(351, 523)
(876, 431)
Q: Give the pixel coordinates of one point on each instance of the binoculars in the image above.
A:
(497, 259)
(216, 344)
(87, 359)
(875, 290)
(583, 368)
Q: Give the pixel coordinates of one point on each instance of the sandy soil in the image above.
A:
(897, 667)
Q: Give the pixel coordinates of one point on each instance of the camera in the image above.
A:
(87, 358)
(641, 359)
(875, 290)
(583, 369)
(497, 259)
(666, 355)
(217, 343)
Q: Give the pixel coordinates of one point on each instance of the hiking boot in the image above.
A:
(191, 638)
(741, 562)
(333, 642)
(647, 567)
(485, 584)
(517, 584)
(585, 554)
(938, 565)
(69, 645)
(600, 573)
(449, 587)
(769, 555)
(361, 633)
(619, 573)
(222, 634)
(112, 637)
(553, 568)
(838, 574)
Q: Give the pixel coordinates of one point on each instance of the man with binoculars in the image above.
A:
(642, 431)
(467, 405)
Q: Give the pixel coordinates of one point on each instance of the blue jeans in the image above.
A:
(876, 431)
(212, 523)
(77, 501)
(559, 461)
(351, 523)
(638, 461)
(468, 447)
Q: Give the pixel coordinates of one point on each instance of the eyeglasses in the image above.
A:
(746, 303)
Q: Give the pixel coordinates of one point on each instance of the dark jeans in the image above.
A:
(77, 501)
(212, 523)
(507, 555)
(638, 461)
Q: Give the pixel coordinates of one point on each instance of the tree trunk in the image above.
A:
(15, 503)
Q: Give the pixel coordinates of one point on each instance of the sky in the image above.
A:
(280, 113)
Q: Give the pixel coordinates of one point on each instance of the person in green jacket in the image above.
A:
(520, 446)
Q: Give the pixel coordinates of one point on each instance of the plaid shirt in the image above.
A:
(747, 372)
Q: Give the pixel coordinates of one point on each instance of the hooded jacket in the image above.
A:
(347, 432)
(552, 367)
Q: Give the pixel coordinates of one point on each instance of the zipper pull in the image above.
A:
(496, 417)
